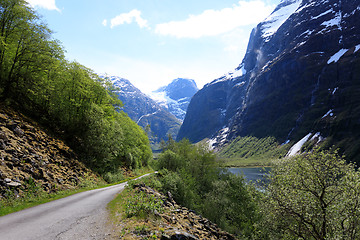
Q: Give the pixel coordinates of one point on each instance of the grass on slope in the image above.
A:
(132, 213)
(252, 152)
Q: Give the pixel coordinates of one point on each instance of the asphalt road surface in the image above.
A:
(80, 216)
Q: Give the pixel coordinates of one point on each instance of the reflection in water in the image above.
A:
(252, 174)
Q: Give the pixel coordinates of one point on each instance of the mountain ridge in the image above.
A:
(288, 80)
(145, 111)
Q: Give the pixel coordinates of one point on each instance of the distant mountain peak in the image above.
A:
(176, 96)
(145, 111)
(180, 88)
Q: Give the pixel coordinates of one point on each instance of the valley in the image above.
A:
(291, 106)
(159, 113)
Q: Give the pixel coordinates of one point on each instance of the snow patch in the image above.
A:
(117, 82)
(300, 44)
(318, 137)
(240, 84)
(211, 143)
(219, 139)
(353, 12)
(337, 56)
(147, 115)
(336, 21)
(307, 33)
(297, 147)
(333, 92)
(231, 75)
(237, 73)
(273, 22)
(286, 142)
(223, 134)
(160, 97)
(315, 136)
(322, 14)
(305, 6)
(174, 106)
(357, 47)
(329, 113)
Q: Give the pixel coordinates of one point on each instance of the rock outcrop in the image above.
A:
(30, 158)
(178, 222)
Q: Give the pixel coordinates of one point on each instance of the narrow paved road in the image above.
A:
(80, 216)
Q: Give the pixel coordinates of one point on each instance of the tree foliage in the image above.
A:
(66, 96)
(313, 196)
(196, 180)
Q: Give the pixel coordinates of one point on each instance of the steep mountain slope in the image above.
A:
(32, 159)
(145, 111)
(300, 75)
(176, 96)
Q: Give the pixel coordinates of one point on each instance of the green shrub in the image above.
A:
(192, 174)
(142, 205)
(231, 205)
(111, 177)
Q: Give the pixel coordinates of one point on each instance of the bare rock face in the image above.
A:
(300, 75)
(30, 158)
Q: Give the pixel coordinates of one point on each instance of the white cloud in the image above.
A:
(47, 4)
(216, 22)
(132, 16)
(104, 23)
(235, 42)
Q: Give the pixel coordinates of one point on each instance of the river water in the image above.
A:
(252, 174)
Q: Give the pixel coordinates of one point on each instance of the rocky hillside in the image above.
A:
(299, 78)
(176, 96)
(145, 111)
(30, 156)
(174, 222)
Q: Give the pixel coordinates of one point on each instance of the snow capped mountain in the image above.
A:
(282, 12)
(176, 96)
(133, 99)
(299, 76)
(144, 110)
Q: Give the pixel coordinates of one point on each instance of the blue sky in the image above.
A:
(152, 42)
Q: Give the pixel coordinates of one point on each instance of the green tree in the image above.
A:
(195, 179)
(26, 48)
(67, 97)
(313, 196)
(231, 204)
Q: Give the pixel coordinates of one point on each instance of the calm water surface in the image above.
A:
(252, 174)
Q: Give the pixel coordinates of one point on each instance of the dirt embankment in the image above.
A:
(30, 157)
(174, 222)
